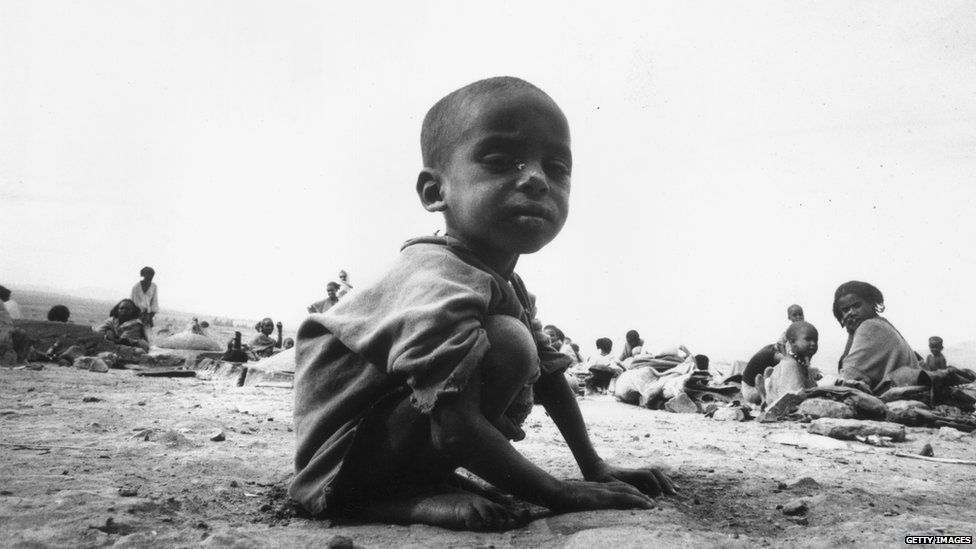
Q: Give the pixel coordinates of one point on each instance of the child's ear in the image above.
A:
(430, 191)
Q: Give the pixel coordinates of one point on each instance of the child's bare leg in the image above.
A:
(400, 450)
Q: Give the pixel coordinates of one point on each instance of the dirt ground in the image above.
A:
(115, 460)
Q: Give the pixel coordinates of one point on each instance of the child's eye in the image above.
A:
(558, 169)
(498, 161)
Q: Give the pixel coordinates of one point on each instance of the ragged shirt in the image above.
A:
(418, 327)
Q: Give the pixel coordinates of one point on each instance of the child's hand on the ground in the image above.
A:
(584, 496)
(651, 481)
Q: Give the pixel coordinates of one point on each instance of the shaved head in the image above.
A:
(442, 125)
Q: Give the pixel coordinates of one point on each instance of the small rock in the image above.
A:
(110, 359)
(795, 507)
(234, 484)
(129, 491)
(949, 433)
(849, 429)
(141, 403)
(903, 405)
(681, 404)
(729, 414)
(35, 366)
(822, 407)
(217, 436)
(91, 399)
(340, 542)
(802, 521)
(926, 451)
(803, 483)
(91, 363)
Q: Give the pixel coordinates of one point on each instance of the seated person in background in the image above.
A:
(124, 327)
(344, 285)
(936, 360)
(58, 313)
(792, 374)
(794, 313)
(262, 345)
(603, 368)
(876, 356)
(752, 375)
(331, 299)
(13, 309)
(560, 342)
(633, 345)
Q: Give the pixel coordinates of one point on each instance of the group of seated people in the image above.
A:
(597, 373)
(876, 357)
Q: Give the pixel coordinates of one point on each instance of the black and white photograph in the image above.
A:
(508, 274)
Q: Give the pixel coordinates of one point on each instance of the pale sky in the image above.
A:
(730, 158)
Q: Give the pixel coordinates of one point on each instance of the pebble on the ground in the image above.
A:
(340, 542)
(795, 507)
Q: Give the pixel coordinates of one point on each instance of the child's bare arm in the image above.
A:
(460, 429)
(558, 399)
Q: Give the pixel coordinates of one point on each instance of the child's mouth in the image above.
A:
(532, 211)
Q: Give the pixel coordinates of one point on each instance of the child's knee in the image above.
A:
(513, 353)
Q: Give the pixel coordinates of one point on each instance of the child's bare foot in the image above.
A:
(453, 508)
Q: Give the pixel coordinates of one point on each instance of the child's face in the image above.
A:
(805, 344)
(553, 337)
(795, 315)
(935, 348)
(506, 183)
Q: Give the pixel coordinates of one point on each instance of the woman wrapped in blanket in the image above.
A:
(124, 327)
(876, 353)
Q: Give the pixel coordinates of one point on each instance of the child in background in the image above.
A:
(331, 299)
(936, 360)
(145, 295)
(792, 374)
(434, 366)
(794, 313)
(604, 368)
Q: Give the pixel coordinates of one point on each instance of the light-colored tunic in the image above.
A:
(148, 302)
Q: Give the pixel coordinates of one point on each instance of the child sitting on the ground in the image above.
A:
(434, 366)
(793, 373)
(604, 368)
(936, 360)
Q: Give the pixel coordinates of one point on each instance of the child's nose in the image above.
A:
(533, 178)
